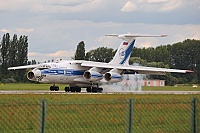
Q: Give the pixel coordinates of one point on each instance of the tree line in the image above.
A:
(13, 52)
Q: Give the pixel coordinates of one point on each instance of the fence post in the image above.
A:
(43, 115)
(130, 115)
(194, 115)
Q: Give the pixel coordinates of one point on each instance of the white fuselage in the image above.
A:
(64, 72)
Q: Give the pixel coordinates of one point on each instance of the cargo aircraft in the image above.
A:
(91, 75)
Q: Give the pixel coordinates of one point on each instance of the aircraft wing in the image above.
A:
(23, 67)
(138, 69)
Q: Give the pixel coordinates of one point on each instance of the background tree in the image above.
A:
(185, 55)
(80, 51)
(13, 53)
(101, 54)
(5, 44)
(138, 61)
(22, 50)
(33, 62)
(161, 54)
(21, 56)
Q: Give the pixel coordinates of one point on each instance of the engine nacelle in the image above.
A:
(113, 77)
(34, 75)
(92, 76)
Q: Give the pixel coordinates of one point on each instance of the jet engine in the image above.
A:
(34, 75)
(92, 75)
(113, 77)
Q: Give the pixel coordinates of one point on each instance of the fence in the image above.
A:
(125, 115)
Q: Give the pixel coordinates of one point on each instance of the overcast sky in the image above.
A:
(55, 27)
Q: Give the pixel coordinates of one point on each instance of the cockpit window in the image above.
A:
(42, 68)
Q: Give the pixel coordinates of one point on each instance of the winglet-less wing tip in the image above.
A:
(189, 71)
(164, 35)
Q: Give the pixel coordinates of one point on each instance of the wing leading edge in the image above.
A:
(23, 67)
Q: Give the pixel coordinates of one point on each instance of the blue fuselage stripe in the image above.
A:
(116, 77)
(64, 72)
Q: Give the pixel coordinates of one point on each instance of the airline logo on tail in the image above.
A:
(121, 53)
(124, 55)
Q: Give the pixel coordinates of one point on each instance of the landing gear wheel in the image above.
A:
(89, 89)
(100, 90)
(73, 89)
(66, 89)
(54, 88)
(78, 89)
(94, 89)
(51, 88)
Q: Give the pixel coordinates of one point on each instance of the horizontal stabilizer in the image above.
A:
(123, 36)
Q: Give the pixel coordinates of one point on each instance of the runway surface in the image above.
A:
(84, 92)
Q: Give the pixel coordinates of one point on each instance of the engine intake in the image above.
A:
(34, 75)
(30, 75)
(92, 75)
(113, 77)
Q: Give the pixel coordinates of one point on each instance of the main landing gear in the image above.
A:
(94, 89)
(88, 89)
(77, 89)
(54, 88)
(72, 89)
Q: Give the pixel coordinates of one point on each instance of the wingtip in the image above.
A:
(189, 71)
(112, 35)
(164, 35)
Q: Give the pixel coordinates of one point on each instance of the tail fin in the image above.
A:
(124, 51)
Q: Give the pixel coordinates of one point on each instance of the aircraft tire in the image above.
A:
(72, 89)
(94, 89)
(51, 88)
(66, 89)
(100, 90)
(78, 89)
(88, 89)
(56, 88)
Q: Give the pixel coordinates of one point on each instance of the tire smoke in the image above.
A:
(130, 83)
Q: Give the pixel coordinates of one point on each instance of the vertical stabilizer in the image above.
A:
(124, 51)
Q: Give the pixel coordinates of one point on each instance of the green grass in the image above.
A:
(172, 88)
(21, 86)
(95, 112)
